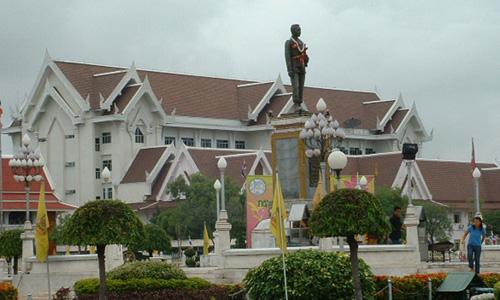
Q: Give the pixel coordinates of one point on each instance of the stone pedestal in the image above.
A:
(28, 238)
(114, 256)
(222, 240)
(326, 244)
(411, 222)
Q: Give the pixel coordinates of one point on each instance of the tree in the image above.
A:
(186, 220)
(101, 223)
(11, 246)
(347, 213)
(155, 238)
(492, 219)
(57, 235)
(390, 198)
(438, 224)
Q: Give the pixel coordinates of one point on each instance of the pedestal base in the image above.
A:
(28, 238)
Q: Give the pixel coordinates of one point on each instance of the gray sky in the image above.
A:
(443, 55)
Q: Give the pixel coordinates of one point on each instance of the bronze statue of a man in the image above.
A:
(296, 63)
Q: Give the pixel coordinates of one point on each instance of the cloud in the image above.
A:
(443, 55)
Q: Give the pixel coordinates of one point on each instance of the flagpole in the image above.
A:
(282, 242)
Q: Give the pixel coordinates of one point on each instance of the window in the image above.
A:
(222, 144)
(139, 137)
(103, 193)
(69, 136)
(106, 137)
(97, 144)
(97, 173)
(98, 197)
(106, 163)
(206, 143)
(370, 151)
(41, 140)
(69, 164)
(456, 218)
(343, 149)
(107, 193)
(239, 144)
(169, 140)
(70, 192)
(110, 193)
(354, 151)
(188, 141)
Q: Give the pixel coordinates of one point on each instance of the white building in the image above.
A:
(85, 117)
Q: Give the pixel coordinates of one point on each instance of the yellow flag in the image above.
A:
(206, 240)
(278, 216)
(319, 194)
(42, 226)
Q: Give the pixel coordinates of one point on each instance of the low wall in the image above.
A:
(383, 259)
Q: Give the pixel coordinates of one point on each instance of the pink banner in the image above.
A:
(259, 190)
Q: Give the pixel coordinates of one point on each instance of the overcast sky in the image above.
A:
(443, 55)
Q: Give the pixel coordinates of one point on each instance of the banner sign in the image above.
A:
(259, 190)
(351, 181)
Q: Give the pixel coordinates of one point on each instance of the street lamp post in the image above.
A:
(337, 161)
(106, 177)
(319, 134)
(477, 175)
(26, 165)
(217, 187)
(222, 164)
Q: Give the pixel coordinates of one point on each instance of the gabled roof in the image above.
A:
(384, 166)
(144, 162)
(249, 96)
(14, 197)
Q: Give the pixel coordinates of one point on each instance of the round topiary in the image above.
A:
(190, 262)
(189, 252)
(147, 270)
(310, 275)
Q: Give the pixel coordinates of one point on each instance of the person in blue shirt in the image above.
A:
(477, 235)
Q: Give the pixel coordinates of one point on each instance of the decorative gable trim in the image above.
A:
(388, 115)
(420, 189)
(146, 89)
(413, 113)
(130, 75)
(277, 86)
(288, 108)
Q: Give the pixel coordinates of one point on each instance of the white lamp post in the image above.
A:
(476, 174)
(318, 134)
(337, 161)
(106, 177)
(27, 166)
(222, 164)
(217, 187)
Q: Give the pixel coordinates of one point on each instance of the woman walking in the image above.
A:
(477, 235)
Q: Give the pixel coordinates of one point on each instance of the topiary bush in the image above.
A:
(191, 262)
(310, 275)
(147, 270)
(7, 291)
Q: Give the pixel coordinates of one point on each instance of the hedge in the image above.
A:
(497, 290)
(414, 287)
(147, 269)
(7, 291)
(192, 288)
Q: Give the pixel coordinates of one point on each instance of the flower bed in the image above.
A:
(416, 286)
(7, 291)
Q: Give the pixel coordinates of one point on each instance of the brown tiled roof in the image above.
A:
(16, 123)
(396, 120)
(251, 95)
(149, 205)
(127, 94)
(155, 189)
(385, 166)
(451, 182)
(206, 160)
(374, 110)
(209, 97)
(276, 105)
(144, 161)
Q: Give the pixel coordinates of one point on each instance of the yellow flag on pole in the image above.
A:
(42, 226)
(278, 216)
(319, 194)
(206, 240)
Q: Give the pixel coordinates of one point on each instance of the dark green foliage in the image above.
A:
(311, 275)
(390, 198)
(104, 222)
(191, 262)
(62, 294)
(492, 220)
(11, 244)
(186, 220)
(497, 291)
(438, 224)
(189, 252)
(155, 238)
(349, 212)
(147, 270)
(57, 234)
(156, 289)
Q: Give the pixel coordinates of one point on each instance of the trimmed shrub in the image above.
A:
(310, 275)
(7, 291)
(192, 288)
(490, 279)
(497, 290)
(189, 252)
(147, 270)
(190, 262)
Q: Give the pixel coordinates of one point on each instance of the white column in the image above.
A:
(27, 238)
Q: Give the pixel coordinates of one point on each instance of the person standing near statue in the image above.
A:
(296, 62)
